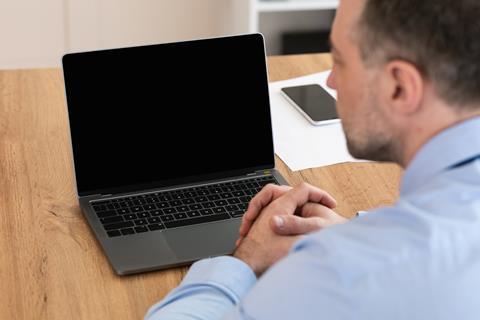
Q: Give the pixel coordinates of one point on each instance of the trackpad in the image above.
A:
(203, 240)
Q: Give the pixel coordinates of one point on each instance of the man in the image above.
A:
(407, 73)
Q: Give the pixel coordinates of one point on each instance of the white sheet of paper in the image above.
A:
(298, 143)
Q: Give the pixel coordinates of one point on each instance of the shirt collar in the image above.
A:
(448, 148)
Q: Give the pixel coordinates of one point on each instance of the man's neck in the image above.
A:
(422, 130)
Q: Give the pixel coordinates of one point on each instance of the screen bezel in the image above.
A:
(256, 39)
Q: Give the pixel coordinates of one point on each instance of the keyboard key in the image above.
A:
(180, 216)
(169, 210)
(127, 231)
(141, 229)
(167, 217)
(245, 199)
(119, 225)
(226, 195)
(143, 215)
(263, 183)
(123, 211)
(113, 206)
(219, 210)
(112, 219)
(106, 214)
(157, 226)
(188, 201)
(131, 216)
(165, 197)
(192, 221)
(178, 196)
(231, 207)
(175, 203)
(201, 199)
(139, 202)
(149, 207)
(141, 222)
(243, 206)
(205, 212)
(156, 213)
(162, 205)
(114, 233)
(193, 214)
(182, 209)
(100, 207)
(237, 214)
(208, 205)
(221, 203)
(233, 201)
(213, 197)
(238, 193)
(195, 207)
(154, 220)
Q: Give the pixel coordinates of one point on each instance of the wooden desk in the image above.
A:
(51, 267)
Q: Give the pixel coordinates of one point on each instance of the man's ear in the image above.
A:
(403, 87)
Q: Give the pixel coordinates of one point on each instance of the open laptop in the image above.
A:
(170, 142)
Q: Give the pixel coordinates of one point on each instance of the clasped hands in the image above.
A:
(276, 217)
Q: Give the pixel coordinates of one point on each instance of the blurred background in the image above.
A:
(36, 33)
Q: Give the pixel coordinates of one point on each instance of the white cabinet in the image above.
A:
(273, 17)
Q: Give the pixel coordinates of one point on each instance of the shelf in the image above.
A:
(295, 5)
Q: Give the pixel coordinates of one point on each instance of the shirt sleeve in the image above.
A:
(305, 284)
(210, 290)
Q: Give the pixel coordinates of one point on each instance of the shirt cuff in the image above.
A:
(229, 272)
(361, 213)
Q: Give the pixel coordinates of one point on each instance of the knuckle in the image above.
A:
(304, 185)
(291, 223)
(269, 187)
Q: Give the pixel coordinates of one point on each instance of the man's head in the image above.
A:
(404, 70)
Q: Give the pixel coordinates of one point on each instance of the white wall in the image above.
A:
(36, 33)
(31, 32)
(125, 22)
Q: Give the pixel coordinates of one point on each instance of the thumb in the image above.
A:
(289, 225)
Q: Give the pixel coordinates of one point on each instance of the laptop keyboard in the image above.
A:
(177, 208)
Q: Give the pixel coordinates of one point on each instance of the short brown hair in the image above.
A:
(440, 37)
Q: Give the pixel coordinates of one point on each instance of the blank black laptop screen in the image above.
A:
(154, 114)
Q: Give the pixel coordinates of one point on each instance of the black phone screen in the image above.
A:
(315, 101)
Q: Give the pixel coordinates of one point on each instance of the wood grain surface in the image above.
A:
(51, 267)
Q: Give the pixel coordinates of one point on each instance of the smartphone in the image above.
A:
(313, 102)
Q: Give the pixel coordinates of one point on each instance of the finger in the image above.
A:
(269, 193)
(299, 196)
(311, 209)
(295, 225)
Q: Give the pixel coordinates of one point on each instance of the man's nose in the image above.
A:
(331, 83)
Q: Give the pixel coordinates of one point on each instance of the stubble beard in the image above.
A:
(374, 141)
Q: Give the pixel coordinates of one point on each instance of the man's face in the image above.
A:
(364, 122)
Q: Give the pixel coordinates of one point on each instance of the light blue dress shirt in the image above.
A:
(419, 259)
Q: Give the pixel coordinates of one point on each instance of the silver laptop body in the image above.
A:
(170, 141)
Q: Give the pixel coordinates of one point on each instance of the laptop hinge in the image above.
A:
(265, 171)
(99, 195)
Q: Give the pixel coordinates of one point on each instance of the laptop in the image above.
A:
(170, 142)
